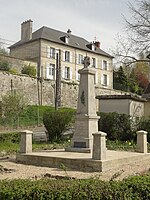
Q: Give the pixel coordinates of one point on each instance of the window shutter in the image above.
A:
(56, 51)
(108, 64)
(54, 73)
(96, 66)
(108, 80)
(48, 52)
(102, 65)
(47, 70)
(71, 57)
(77, 58)
(63, 55)
(91, 62)
(96, 78)
(77, 75)
(102, 79)
(70, 73)
(63, 72)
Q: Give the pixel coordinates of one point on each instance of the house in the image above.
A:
(45, 44)
(123, 104)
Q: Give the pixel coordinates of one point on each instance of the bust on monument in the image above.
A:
(86, 62)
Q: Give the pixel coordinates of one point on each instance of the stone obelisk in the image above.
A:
(86, 118)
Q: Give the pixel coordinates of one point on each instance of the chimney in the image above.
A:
(97, 44)
(69, 31)
(26, 30)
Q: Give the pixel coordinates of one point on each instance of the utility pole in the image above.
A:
(39, 73)
(58, 81)
(41, 85)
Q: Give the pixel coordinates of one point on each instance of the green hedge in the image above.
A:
(58, 121)
(10, 137)
(117, 126)
(122, 126)
(135, 188)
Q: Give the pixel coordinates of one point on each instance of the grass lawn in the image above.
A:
(9, 147)
(9, 144)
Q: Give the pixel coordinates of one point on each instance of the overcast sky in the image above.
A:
(86, 18)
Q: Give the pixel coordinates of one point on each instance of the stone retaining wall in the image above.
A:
(36, 91)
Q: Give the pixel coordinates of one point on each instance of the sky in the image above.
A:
(90, 19)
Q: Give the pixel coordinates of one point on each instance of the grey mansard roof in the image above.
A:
(55, 36)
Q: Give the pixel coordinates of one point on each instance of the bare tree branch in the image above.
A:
(138, 34)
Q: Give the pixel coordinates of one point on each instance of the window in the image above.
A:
(52, 52)
(104, 80)
(67, 73)
(67, 56)
(105, 65)
(93, 62)
(80, 59)
(51, 71)
(78, 76)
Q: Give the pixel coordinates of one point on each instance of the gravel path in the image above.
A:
(9, 169)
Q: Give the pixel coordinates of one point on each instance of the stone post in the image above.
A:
(99, 146)
(26, 141)
(141, 141)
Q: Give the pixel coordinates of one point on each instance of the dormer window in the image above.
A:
(91, 46)
(66, 39)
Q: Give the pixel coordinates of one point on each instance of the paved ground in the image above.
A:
(15, 170)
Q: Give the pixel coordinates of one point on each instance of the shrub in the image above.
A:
(13, 71)
(10, 137)
(29, 70)
(4, 65)
(136, 188)
(117, 126)
(56, 122)
(13, 105)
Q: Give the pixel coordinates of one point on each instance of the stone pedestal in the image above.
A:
(26, 141)
(99, 146)
(142, 141)
(86, 119)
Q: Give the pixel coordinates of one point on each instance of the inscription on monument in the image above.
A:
(80, 144)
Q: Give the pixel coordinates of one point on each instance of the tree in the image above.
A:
(2, 49)
(139, 25)
(13, 103)
(135, 80)
(138, 38)
(120, 79)
(142, 73)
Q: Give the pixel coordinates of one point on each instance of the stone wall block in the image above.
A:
(26, 141)
(99, 146)
(141, 141)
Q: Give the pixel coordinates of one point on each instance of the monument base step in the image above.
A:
(81, 161)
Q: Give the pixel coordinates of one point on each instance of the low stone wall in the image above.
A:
(35, 91)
